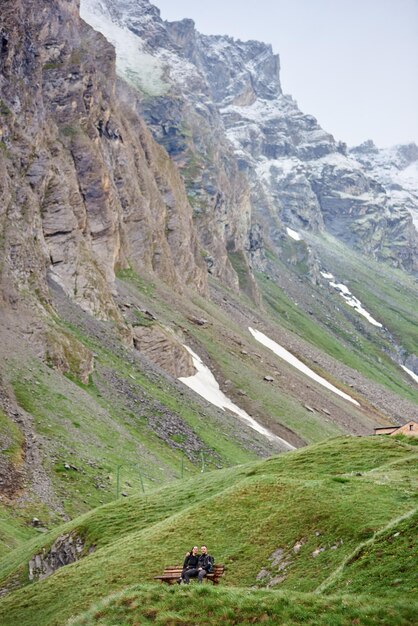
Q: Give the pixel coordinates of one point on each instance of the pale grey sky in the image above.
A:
(351, 63)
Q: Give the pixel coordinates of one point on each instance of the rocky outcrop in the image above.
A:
(67, 355)
(300, 176)
(411, 363)
(162, 348)
(84, 188)
(65, 550)
(396, 169)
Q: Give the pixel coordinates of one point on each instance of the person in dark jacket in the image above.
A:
(201, 569)
(190, 566)
(205, 564)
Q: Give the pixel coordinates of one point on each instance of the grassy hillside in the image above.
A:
(13, 531)
(320, 315)
(240, 364)
(221, 343)
(387, 291)
(240, 607)
(97, 427)
(129, 420)
(289, 522)
(131, 427)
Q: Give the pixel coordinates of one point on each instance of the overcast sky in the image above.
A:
(351, 63)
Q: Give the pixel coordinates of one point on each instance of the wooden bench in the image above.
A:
(172, 574)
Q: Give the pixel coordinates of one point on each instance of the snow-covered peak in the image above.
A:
(229, 92)
(239, 72)
(398, 157)
(126, 13)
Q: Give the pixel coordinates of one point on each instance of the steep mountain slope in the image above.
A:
(85, 192)
(291, 522)
(189, 297)
(215, 91)
(93, 191)
(67, 438)
(178, 108)
(220, 101)
(104, 284)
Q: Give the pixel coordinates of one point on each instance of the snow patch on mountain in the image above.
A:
(205, 384)
(292, 360)
(409, 177)
(350, 299)
(338, 161)
(141, 69)
(411, 374)
(293, 234)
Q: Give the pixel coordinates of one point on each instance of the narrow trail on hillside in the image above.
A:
(336, 573)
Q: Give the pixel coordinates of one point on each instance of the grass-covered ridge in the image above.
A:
(145, 604)
(297, 518)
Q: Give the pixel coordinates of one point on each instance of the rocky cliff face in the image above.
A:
(85, 189)
(300, 176)
(396, 169)
(161, 61)
(252, 161)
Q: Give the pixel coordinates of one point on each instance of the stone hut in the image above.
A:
(410, 429)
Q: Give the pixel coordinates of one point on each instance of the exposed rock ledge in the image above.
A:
(65, 550)
(161, 347)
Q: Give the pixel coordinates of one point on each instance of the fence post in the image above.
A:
(118, 467)
(141, 479)
(203, 461)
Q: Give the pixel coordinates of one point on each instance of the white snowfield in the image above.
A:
(350, 299)
(205, 384)
(293, 234)
(290, 358)
(412, 374)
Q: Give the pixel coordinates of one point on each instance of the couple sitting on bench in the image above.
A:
(196, 565)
